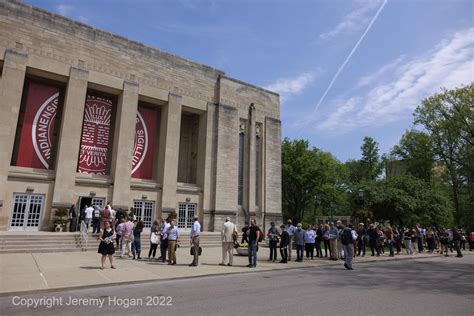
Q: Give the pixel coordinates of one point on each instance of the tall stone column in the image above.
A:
(168, 155)
(227, 160)
(206, 163)
(272, 180)
(11, 89)
(70, 137)
(125, 126)
(251, 158)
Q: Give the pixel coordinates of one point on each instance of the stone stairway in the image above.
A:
(46, 242)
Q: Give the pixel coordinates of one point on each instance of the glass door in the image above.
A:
(26, 212)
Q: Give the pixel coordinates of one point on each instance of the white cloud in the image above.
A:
(64, 9)
(288, 87)
(355, 20)
(396, 93)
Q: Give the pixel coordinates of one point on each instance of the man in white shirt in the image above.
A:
(194, 240)
(164, 240)
(229, 235)
(88, 212)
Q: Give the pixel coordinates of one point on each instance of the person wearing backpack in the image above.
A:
(284, 242)
(347, 238)
(254, 235)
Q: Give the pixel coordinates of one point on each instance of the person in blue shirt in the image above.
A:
(173, 240)
(310, 236)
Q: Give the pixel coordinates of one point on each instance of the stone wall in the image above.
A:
(34, 42)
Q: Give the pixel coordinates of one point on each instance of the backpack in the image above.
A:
(260, 238)
(96, 213)
(346, 237)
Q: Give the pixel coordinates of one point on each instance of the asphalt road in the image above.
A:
(435, 286)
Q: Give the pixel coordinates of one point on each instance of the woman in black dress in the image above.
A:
(106, 246)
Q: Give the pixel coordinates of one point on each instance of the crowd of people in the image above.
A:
(331, 241)
(341, 242)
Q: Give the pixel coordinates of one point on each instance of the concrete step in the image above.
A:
(47, 242)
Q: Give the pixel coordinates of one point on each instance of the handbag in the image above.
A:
(154, 238)
(192, 251)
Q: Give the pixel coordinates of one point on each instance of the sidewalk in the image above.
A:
(37, 272)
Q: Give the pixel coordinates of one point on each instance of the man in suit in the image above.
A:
(228, 230)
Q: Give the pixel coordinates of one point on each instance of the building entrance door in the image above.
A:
(143, 210)
(26, 212)
(185, 215)
(81, 207)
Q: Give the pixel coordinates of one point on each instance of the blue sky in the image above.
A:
(344, 69)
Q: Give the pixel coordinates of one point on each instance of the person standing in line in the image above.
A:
(194, 240)
(419, 237)
(173, 242)
(154, 239)
(105, 217)
(137, 244)
(327, 245)
(273, 237)
(284, 242)
(463, 239)
(457, 242)
(165, 225)
(96, 220)
(407, 241)
(119, 232)
(106, 246)
(361, 239)
(290, 230)
(389, 236)
(88, 213)
(310, 237)
(317, 242)
(397, 239)
(300, 240)
(245, 238)
(72, 218)
(347, 237)
(372, 238)
(430, 239)
(333, 241)
(253, 236)
(340, 250)
(229, 236)
(127, 237)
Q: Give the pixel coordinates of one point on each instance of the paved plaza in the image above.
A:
(417, 286)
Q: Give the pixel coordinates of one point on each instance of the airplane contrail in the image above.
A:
(349, 56)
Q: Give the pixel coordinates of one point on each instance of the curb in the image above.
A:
(106, 285)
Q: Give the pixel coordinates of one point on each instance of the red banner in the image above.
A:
(95, 140)
(144, 145)
(37, 139)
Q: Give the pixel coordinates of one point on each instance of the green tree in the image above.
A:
(406, 200)
(309, 177)
(371, 162)
(416, 150)
(448, 118)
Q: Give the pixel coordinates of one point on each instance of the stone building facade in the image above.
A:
(87, 116)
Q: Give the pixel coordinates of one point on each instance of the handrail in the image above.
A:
(84, 235)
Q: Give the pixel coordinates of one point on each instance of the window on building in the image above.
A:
(241, 169)
(257, 169)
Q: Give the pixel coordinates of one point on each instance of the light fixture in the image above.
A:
(92, 193)
(144, 197)
(30, 189)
